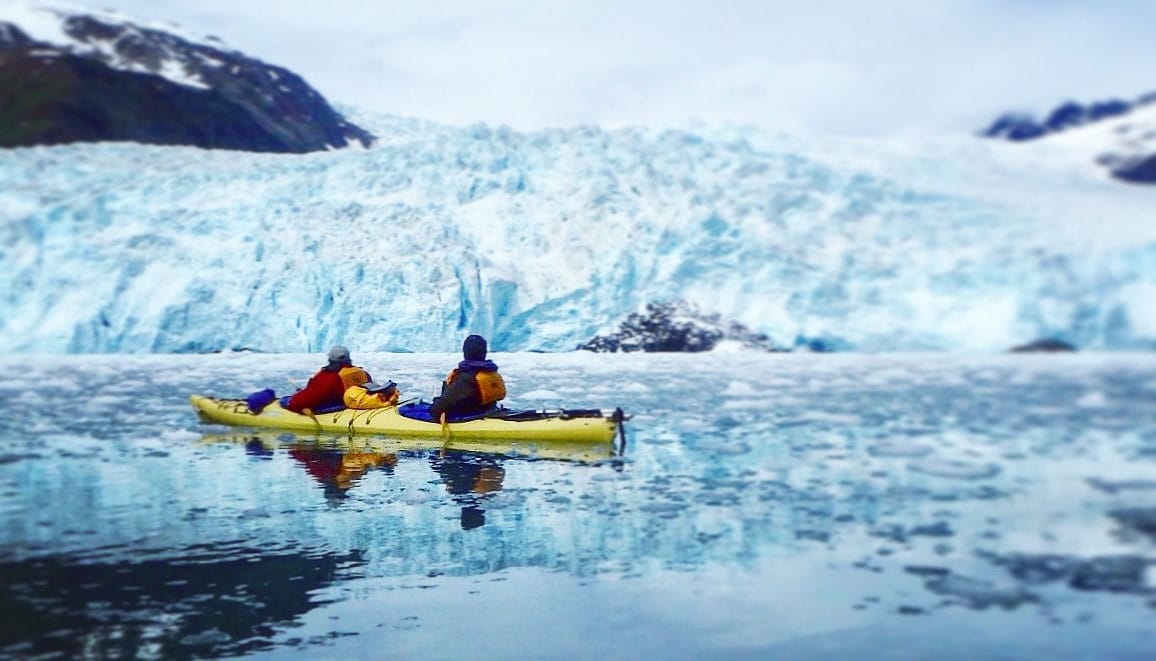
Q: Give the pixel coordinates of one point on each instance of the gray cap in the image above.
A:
(338, 354)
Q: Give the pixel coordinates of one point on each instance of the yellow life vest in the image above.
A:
(353, 376)
(357, 397)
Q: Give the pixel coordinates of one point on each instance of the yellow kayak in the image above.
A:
(573, 427)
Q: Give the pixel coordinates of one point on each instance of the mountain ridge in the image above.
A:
(69, 77)
(1119, 135)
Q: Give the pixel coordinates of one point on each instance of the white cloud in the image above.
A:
(842, 66)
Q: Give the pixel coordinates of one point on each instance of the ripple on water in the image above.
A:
(956, 469)
(901, 449)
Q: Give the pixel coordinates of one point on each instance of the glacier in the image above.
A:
(542, 240)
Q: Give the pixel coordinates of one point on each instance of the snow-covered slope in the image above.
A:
(119, 44)
(543, 240)
(1119, 135)
(68, 74)
(1121, 144)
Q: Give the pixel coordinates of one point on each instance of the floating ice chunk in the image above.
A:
(634, 387)
(664, 438)
(1092, 400)
(179, 436)
(541, 394)
(953, 468)
(662, 508)
(899, 449)
(610, 477)
(213, 636)
(739, 389)
(72, 445)
(744, 405)
(99, 402)
(732, 448)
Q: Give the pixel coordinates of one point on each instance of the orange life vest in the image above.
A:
(490, 386)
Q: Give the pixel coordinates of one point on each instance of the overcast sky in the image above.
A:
(858, 67)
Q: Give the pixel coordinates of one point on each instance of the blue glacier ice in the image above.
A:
(542, 240)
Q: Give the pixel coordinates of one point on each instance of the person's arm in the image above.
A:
(461, 393)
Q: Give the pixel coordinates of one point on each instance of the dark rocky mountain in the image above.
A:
(1129, 150)
(1018, 127)
(677, 327)
(1143, 172)
(112, 80)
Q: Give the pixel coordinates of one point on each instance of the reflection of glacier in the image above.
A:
(543, 240)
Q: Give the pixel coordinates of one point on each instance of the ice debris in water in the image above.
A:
(178, 436)
(1092, 400)
(732, 448)
(1115, 486)
(979, 594)
(212, 636)
(739, 389)
(899, 449)
(953, 468)
(1141, 520)
(634, 387)
(1108, 573)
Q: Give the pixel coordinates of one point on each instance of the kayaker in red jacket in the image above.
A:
(327, 387)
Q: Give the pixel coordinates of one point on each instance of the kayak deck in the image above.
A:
(587, 428)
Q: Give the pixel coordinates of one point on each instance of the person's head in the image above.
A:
(474, 348)
(339, 355)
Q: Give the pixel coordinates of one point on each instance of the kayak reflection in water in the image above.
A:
(339, 471)
(470, 478)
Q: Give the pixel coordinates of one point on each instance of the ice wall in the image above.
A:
(542, 240)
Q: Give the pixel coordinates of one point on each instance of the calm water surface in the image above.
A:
(766, 506)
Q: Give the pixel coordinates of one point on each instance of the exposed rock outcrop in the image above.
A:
(676, 327)
(1047, 345)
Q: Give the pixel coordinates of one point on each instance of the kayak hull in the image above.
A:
(388, 422)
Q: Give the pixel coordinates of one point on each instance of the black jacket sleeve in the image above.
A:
(459, 396)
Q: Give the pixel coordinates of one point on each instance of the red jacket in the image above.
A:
(324, 389)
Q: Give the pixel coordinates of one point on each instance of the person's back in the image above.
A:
(473, 386)
(327, 388)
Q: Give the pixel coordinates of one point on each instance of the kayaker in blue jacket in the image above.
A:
(473, 387)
